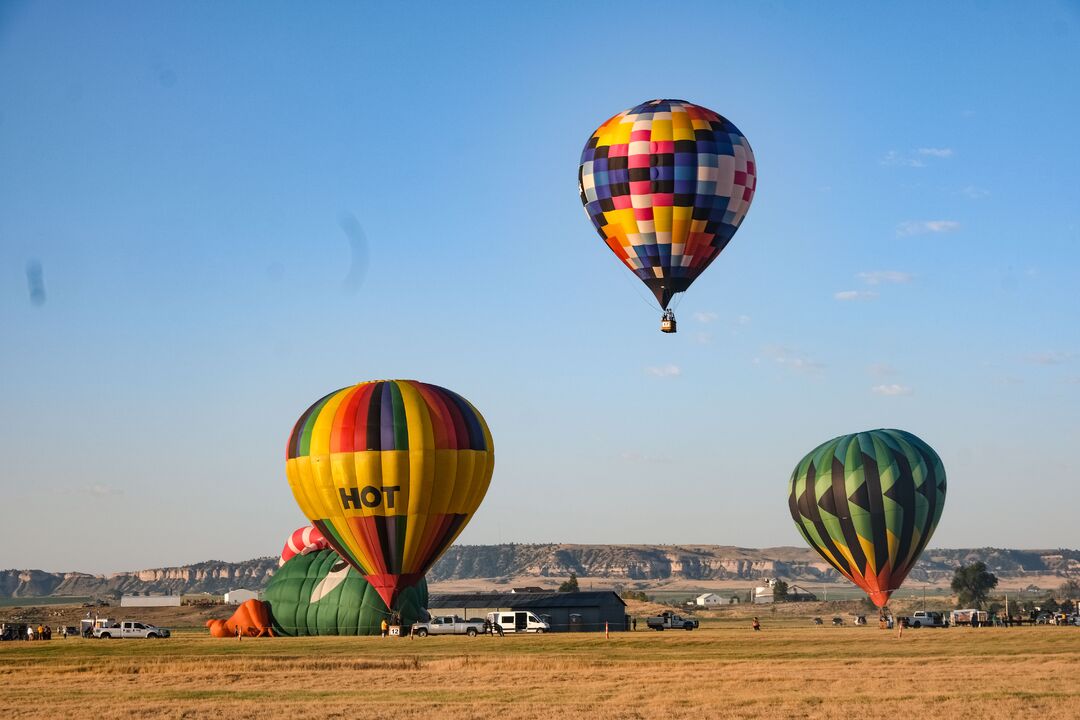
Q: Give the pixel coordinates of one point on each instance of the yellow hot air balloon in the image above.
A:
(390, 472)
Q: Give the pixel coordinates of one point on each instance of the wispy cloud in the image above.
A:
(705, 317)
(975, 193)
(793, 360)
(703, 338)
(742, 320)
(665, 371)
(900, 159)
(881, 370)
(916, 158)
(892, 390)
(1052, 357)
(921, 227)
(849, 295)
(636, 457)
(885, 277)
(100, 490)
(936, 152)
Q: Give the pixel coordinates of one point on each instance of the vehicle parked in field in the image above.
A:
(926, 618)
(518, 621)
(130, 629)
(668, 620)
(449, 625)
(969, 617)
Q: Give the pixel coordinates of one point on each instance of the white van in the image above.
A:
(521, 621)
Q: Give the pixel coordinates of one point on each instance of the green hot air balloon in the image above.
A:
(321, 594)
(868, 503)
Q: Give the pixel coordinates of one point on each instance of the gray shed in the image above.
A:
(567, 612)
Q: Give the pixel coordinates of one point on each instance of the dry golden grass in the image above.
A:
(723, 670)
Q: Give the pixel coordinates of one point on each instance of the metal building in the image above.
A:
(566, 612)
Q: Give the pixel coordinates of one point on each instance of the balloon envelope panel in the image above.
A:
(390, 472)
(868, 503)
(321, 594)
(666, 184)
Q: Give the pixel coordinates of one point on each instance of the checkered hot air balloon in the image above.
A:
(390, 473)
(667, 184)
(868, 503)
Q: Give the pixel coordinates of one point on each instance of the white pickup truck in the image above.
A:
(130, 629)
(923, 618)
(669, 620)
(449, 625)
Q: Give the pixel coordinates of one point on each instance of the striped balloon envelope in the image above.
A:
(390, 472)
(868, 503)
(666, 184)
(303, 541)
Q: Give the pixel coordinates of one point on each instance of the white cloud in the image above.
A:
(849, 295)
(975, 193)
(885, 277)
(742, 320)
(894, 158)
(892, 390)
(705, 317)
(793, 360)
(936, 152)
(920, 227)
(665, 371)
(1052, 357)
(703, 338)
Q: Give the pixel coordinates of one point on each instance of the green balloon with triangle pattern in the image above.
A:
(868, 503)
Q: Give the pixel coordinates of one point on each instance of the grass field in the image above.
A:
(723, 670)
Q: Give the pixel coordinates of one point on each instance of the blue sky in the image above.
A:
(190, 178)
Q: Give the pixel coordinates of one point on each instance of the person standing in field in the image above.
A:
(385, 627)
(634, 623)
(756, 625)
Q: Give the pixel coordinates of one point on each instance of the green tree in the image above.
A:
(1069, 590)
(972, 584)
(571, 584)
(779, 591)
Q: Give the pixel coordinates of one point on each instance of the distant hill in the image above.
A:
(619, 563)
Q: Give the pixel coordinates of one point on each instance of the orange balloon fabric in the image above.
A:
(252, 619)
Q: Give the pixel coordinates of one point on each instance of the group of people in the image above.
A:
(28, 631)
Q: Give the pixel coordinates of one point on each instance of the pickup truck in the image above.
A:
(449, 625)
(923, 618)
(668, 620)
(130, 629)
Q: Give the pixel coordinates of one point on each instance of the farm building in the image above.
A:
(240, 595)
(149, 601)
(567, 612)
(797, 593)
(763, 594)
(709, 600)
